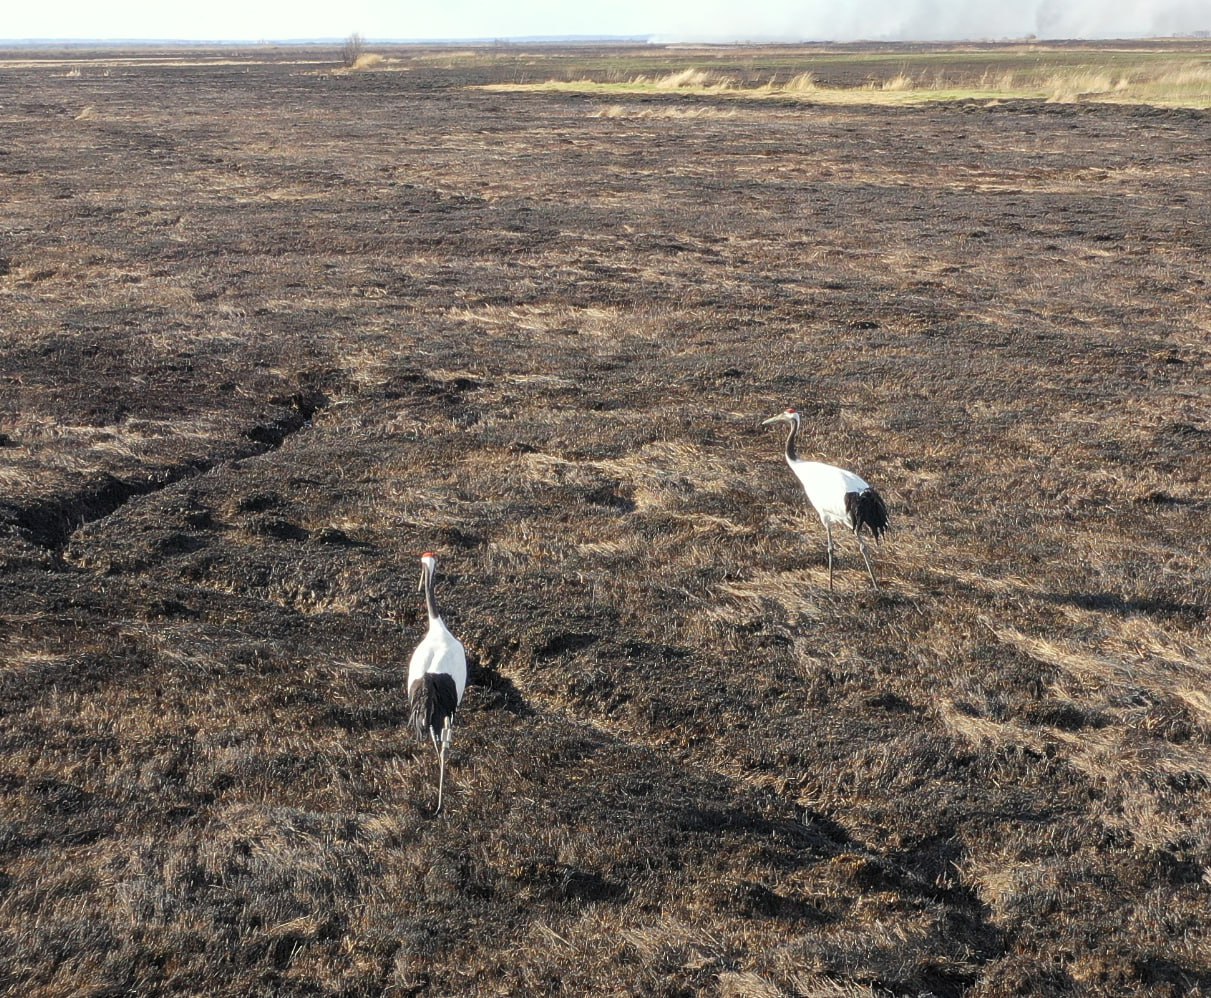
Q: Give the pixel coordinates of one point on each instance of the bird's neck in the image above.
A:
(431, 600)
(791, 455)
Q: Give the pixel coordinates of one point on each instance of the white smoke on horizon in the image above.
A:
(941, 20)
(662, 20)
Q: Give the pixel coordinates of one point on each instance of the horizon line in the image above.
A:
(1200, 35)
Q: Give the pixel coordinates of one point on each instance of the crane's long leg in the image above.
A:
(829, 530)
(447, 731)
(441, 777)
(866, 558)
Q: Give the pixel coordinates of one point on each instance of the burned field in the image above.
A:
(270, 332)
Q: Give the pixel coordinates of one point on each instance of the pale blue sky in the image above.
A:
(665, 20)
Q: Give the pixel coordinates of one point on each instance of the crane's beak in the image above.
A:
(421, 585)
(780, 418)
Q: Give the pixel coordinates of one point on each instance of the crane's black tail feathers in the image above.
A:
(434, 698)
(867, 509)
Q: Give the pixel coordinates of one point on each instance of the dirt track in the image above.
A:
(267, 334)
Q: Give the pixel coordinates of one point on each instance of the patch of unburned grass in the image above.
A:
(689, 81)
(623, 111)
(817, 95)
(1174, 82)
(800, 83)
(683, 79)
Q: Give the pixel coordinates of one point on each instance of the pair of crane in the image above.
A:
(437, 673)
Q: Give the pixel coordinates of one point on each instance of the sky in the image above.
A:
(660, 20)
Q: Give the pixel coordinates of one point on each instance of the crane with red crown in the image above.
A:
(838, 496)
(437, 676)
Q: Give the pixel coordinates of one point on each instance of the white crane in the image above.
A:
(838, 496)
(437, 676)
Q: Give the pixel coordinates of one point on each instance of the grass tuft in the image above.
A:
(694, 78)
(367, 60)
(800, 83)
(899, 82)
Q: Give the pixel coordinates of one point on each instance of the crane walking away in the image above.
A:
(838, 496)
(437, 676)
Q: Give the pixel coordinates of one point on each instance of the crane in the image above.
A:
(437, 676)
(838, 496)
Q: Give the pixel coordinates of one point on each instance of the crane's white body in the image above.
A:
(440, 653)
(826, 487)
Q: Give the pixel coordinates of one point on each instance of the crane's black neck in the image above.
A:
(430, 598)
(790, 441)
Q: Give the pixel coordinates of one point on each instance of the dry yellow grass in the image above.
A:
(790, 592)
(983, 732)
(1172, 82)
(1067, 87)
(1137, 654)
(800, 83)
(690, 78)
(622, 111)
(901, 81)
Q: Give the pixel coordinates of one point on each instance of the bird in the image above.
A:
(437, 676)
(838, 496)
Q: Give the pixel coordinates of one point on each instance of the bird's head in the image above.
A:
(790, 416)
(428, 562)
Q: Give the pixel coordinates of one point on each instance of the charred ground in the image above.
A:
(269, 332)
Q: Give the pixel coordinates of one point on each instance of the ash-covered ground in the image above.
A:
(268, 332)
